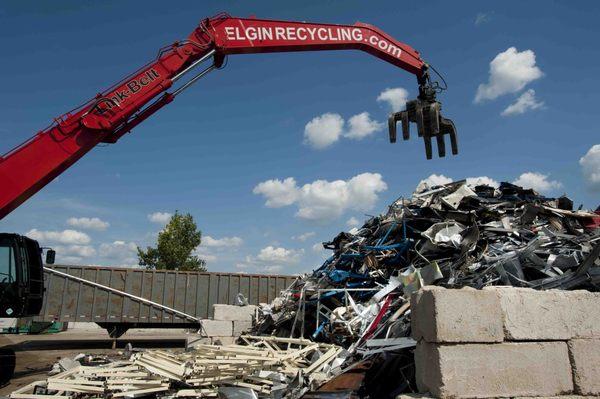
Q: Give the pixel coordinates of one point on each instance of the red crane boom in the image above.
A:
(114, 112)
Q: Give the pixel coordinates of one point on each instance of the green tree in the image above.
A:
(174, 247)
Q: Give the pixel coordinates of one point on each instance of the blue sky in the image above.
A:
(238, 149)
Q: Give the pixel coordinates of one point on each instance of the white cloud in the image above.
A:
(204, 254)
(482, 180)
(318, 247)
(278, 192)
(272, 269)
(322, 199)
(510, 71)
(59, 237)
(124, 253)
(83, 251)
(432, 181)
(277, 255)
(88, 223)
(271, 259)
(590, 166)
(482, 18)
(395, 97)
(352, 222)
(208, 241)
(537, 181)
(70, 260)
(303, 237)
(524, 103)
(324, 130)
(361, 126)
(328, 200)
(160, 217)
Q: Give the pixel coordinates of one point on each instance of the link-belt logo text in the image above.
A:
(310, 34)
(131, 87)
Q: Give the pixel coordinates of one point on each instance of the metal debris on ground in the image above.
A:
(265, 367)
(455, 235)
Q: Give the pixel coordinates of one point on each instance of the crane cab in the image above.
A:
(21, 275)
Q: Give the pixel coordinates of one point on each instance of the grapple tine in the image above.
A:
(428, 152)
(441, 145)
(405, 125)
(434, 119)
(449, 129)
(453, 143)
(392, 127)
(420, 121)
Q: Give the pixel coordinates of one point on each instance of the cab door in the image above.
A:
(11, 304)
(35, 276)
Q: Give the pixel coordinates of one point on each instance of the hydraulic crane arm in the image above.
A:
(115, 112)
(242, 36)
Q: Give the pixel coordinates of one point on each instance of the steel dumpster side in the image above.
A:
(192, 293)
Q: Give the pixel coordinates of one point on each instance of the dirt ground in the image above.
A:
(34, 355)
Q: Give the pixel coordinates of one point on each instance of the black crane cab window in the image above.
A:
(7, 262)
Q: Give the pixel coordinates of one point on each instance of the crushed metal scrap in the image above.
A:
(454, 236)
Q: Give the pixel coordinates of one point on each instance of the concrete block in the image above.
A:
(233, 312)
(223, 340)
(450, 315)
(497, 370)
(81, 325)
(241, 326)
(531, 315)
(195, 340)
(585, 361)
(212, 328)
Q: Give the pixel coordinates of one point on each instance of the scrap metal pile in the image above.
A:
(454, 236)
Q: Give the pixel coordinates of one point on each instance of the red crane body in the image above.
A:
(113, 113)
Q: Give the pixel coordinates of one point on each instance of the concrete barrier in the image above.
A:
(506, 342)
(531, 315)
(466, 315)
(585, 359)
(220, 328)
(233, 312)
(228, 323)
(494, 370)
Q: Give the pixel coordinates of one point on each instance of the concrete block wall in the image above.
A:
(228, 323)
(506, 342)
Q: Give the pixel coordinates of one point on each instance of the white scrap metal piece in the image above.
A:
(445, 234)
(393, 283)
(453, 200)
